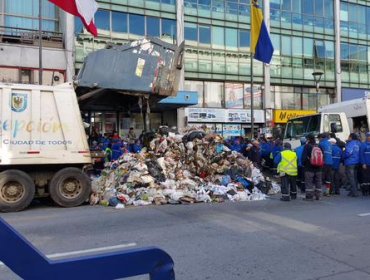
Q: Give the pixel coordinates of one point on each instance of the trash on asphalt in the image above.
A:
(178, 169)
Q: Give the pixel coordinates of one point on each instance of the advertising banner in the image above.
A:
(283, 116)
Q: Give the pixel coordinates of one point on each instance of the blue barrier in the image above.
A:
(29, 263)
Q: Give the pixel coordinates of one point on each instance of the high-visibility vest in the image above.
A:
(288, 163)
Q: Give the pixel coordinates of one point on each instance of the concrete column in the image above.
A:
(180, 35)
(338, 68)
(68, 29)
(267, 90)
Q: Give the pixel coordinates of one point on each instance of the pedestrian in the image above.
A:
(327, 150)
(277, 148)
(108, 153)
(337, 155)
(312, 162)
(254, 153)
(266, 149)
(365, 166)
(131, 139)
(351, 162)
(287, 168)
(299, 152)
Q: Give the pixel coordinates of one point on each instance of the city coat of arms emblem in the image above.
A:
(19, 102)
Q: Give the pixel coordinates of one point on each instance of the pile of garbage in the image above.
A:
(176, 169)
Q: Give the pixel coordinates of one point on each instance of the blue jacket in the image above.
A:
(352, 153)
(237, 148)
(299, 152)
(337, 156)
(365, 153)
(266, 149)
(327, 150)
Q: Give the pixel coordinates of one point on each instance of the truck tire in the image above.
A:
(17, 190)
(70, 187)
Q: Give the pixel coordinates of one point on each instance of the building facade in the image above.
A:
(19, 42)
(330, 36)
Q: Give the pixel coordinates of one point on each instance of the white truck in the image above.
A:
(341, 118)
(43, 146)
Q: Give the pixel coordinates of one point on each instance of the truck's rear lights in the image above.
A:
(33, 152)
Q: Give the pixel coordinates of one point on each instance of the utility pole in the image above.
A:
(40, 42)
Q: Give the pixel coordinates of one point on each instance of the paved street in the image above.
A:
(248, 240)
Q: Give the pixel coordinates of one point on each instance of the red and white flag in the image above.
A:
(84, 9)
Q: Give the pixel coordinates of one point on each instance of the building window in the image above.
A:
(153, 26)
(169, 28)
(191, 32)
(213, 94)
(218, 37)
(197, 86)
(24, 14)
(204, 34)
(244, 39)
(119, 22)
(137, 24)
(234, 96)
(231, 41)
(102, 19)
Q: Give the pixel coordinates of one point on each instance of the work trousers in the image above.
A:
(289, 187)
(313, 180)
(327, 177)
(300, 179)
(337, 181)
(365, 180)
(351, 173)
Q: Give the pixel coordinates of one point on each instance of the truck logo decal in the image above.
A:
(18, 102)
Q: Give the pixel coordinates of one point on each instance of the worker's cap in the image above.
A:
(303, 140)
(333, 140)
(287, 146)
(268, 135)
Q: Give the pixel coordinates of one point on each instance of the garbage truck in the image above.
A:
(340, 118)
(43, 144)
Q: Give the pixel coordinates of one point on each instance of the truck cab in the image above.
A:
(315, 124)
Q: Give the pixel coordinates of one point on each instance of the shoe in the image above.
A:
(308, 198)
(293, 197)
(317, 197)
(284, 199)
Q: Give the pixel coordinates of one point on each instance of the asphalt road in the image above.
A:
(247, 240)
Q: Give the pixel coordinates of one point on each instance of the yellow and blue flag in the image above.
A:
(261, 45)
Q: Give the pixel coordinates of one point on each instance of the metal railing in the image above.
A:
(30, 36)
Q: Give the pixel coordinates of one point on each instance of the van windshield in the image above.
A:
(299, 127)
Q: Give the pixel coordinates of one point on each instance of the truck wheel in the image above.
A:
(17, 190)
(69, 187)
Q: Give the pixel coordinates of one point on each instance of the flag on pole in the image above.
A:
(84, 9)
(261, 45)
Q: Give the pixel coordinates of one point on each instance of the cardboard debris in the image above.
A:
(180, 169)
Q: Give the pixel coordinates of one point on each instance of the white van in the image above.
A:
(43, 146)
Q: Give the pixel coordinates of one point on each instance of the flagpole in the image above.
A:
(252, 99)
(252, 74)
(40, 43)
